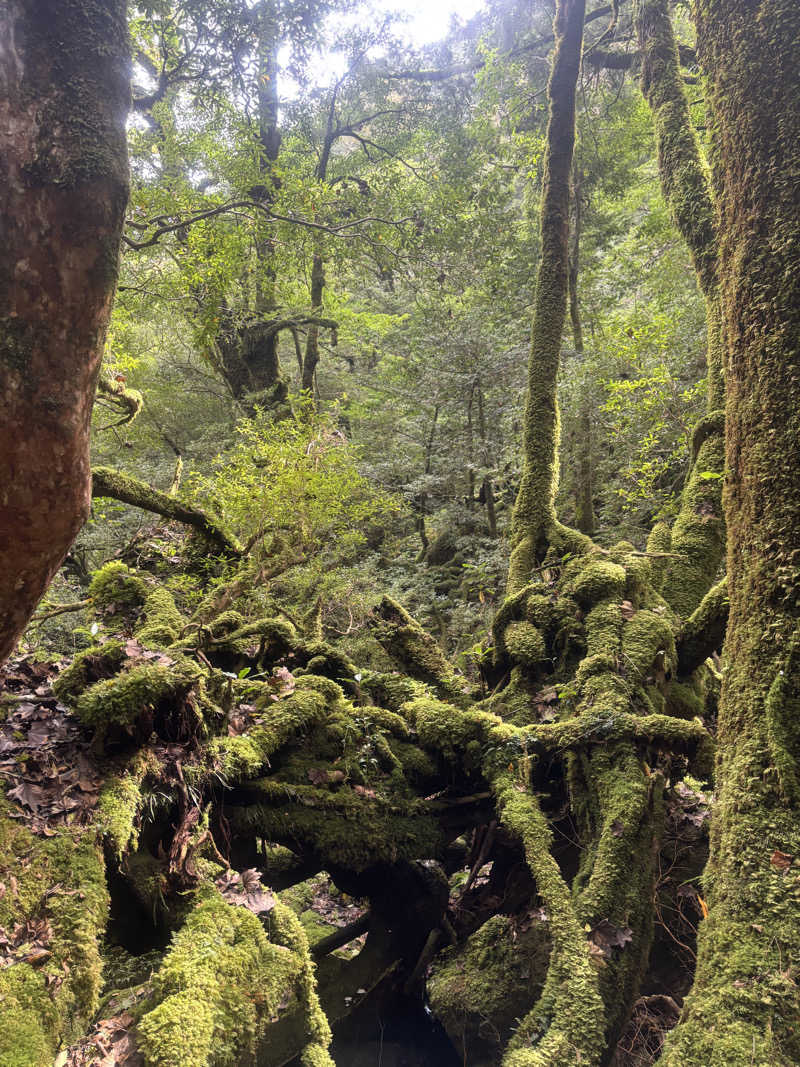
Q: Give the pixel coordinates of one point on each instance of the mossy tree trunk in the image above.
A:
(698, 535)
(534, 509)
(584, 505)
(64, 97)
(744, 1005)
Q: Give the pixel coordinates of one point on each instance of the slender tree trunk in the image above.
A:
(311, 357)
(744, 1006)
(698, 535)
(534, 511)
(584, 506)
(64, 96)
(487, 486)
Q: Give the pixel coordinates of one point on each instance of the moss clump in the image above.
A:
(162, 620)
(89, 666)
(590, 581)
(115, 583)
(61, 880)
(480, 989)
(392, 690)
(219, 986)
(136, 693)
(525, 643)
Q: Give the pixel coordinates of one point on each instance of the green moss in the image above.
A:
(686, 700)
(89, 666)
(698, 536)
(238, 758)
(593, 580)
(61, 879)
(659, 543)
(139, 691)
(115, 583)
(415, 650)
(120, 803)
(342, 827)
(648, 644)
(392, 690)
(222, 982)
(525, 643)
(163, 622)
(478, 990)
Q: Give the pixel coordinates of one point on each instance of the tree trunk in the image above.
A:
(311, 358)
(584, 505)
(698, 536)
(64, 97)
(744, 1005)
(534, 509)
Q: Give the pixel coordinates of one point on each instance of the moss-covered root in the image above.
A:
(55, 893)
(414, 649)
(704, 630)
(121, 802)
(698, 535)
(617, 879)
(235, 759)
(566, 1026)
(222, 982)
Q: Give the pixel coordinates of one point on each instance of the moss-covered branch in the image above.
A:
(415, 650)
(129, 490)
(128, 401)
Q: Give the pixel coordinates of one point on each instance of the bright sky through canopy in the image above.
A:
(430, 19)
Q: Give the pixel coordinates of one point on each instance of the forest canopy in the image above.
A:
(399, 534)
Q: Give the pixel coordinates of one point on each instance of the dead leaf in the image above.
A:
(781, 861)
(605, 936)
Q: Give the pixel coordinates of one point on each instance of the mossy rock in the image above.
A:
(480, 989)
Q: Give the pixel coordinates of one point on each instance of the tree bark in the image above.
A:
(744, 1005)
(534, 509)
(698, 536)
(64, 96)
